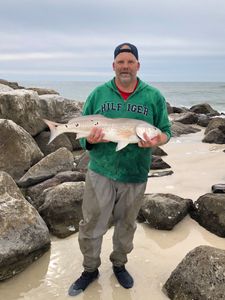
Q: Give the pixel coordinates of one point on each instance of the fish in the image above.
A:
(122, 131)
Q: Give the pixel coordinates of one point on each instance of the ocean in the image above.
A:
(176, 93)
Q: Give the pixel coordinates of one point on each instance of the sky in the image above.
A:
(178, 40)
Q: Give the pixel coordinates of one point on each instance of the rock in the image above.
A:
(204, 108)
(157, 151)
(158, 163)
(216, 123)
(22, 107)
(215, 136)
(163, 211)
(187, 118)
(218, 188)
(82, 162)
(203, 120)
(209, 211)
(5, 88)
(58, 109)
(200, 275)
(62, 208)
(18, 149)
(169, 108)
(160, 174)
(58, 161)
(13, 85)
(43, 91)
(24, 236)
(33, 193)
(178, 129)
(74, 141)
(180, 110)
(60, 141)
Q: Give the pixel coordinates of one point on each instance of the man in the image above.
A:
(116, 181)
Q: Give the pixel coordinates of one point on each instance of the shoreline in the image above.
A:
(197, 166)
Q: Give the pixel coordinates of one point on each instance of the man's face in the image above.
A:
(126, 66)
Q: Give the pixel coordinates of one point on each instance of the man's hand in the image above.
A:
(156, 141)
(96, 136)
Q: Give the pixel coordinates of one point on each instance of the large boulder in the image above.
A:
(58, 161)
(199, 276)
(216, 123)
(34, 193)
(12, 84)
(163, 211)
(204, 108)
(22, 107)
(178, 129)
(18, 149)
(58, 109)
(60, 141)
(61, 208)
(24, 236)
(209, 211)
(214, 136)
(5, 88)
(187, 118)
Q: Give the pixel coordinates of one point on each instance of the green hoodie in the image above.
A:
(132, 163)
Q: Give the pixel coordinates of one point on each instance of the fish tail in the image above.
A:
(53, 129)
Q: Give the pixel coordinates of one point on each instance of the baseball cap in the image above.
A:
(126, 47)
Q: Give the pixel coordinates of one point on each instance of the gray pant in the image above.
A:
(104, 198)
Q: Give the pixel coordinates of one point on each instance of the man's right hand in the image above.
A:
(96, 136)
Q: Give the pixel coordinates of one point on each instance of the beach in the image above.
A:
(196, 166)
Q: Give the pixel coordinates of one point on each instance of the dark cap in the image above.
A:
(126, 47)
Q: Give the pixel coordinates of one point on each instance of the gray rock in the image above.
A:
(209, 211)
(160, 173)
(58, 161)
(169, 108)
(5, 88)
(60, 141)
(216, 123)
(214, 136)
(204, 108)
(34, 193)
(74, 141)
(178, 129)
(13, 85)
(187, 118)
(24, 236)
(163, 211)
(157, 151)
(203, 120)
(62, 208)
(199, 276)
(22, 107)
(158, 163)
(180, 110)
(218, 188)
(18, 149)
(43, 91)
(58, 109)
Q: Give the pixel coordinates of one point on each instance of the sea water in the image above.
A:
(176, 93)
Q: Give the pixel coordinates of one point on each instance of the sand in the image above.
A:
(197, 166)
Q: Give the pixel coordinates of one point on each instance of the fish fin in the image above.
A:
(53, 129)
(80, 135)
(121, 145)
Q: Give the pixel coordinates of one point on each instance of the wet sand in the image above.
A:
(197, 166)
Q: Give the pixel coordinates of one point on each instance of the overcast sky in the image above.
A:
(178, 40)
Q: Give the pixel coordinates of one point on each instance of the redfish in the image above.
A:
(122, 131)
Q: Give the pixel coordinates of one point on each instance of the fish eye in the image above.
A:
(76, 124)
